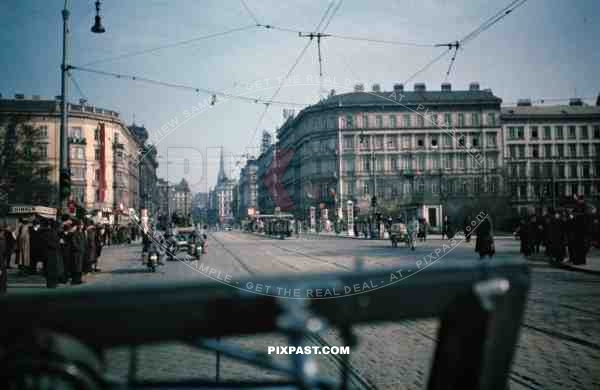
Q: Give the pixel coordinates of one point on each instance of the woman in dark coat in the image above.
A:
(485, 239)
(76, 247)
(91, 251)
(51, 245)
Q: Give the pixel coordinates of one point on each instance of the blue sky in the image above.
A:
(545, 49)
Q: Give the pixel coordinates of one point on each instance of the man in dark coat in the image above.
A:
(36, 245)
(76, 247)
(580, 237)
(99, 244)
(485, 239)
(50, 241)
(556, 238)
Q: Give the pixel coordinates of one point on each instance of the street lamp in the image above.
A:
(64, 117)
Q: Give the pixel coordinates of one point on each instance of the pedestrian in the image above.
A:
(580, 240)
(467, 228)
(484, 245)
(571, 239)
(36, 245)
(3, 264)
(11, 243)
(76, 245)
(91, 251)
(64, 240)
(556, 238)
(51, 248)
(99, 240)
(23, 250)
(524, 236)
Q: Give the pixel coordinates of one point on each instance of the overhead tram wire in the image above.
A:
(298, 58)
(249, 11)
(428, 65)
(186, 87)
(171, 45)
(76, 84)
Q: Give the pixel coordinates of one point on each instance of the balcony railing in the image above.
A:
(77, 140)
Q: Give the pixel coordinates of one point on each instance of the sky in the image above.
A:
(544, 49)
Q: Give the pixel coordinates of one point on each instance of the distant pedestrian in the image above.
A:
(484, 244)
(36, 245)
(51, 253)
(77, 250)
(91, 251)
(556, 238)
(580, 240)
(571, 237)
(11, 243)
(99, 242)
(23, 248)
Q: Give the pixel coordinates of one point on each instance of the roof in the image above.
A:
(558, 110)
(409, 97)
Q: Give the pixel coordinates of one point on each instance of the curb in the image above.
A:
(578, 269)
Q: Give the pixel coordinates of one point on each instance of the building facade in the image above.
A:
(552, 153)
(397, 152)
(102, 151)
(221, 198)
(147, 165)
(248, 188)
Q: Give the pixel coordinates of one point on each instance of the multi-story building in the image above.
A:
(147, 165)
(248, 188)
(221, 198)
(411, 150)
(182, 199)
(102, 151)
(552, 153)
(265, 203)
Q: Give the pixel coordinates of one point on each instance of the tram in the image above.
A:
(277, 225)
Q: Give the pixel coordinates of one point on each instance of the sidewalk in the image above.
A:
(429, 236)
(592, 265)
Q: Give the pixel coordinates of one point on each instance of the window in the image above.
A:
(491, 119)
(448, 119)
(78, 173)
(572, 150)
(535, 170)
(586, 170)
(475, 141)
(43, 131)
(447, 141)
(547, 151)
(43, 148)
(596, 132)
(434, 141)
(521, 151)
(407, 120)
(366, 188)
(406, 162)
(394, 163)
(96, 134)
(534, 132)
(434, 120)
(77, 153)
(393, 121)
(520, 132)
(378, 142)
(461, 161)
(420, 121)
(572, 169)
(421, 185)
(512, 133)
(349, 121)
(584, 132)
(392, 142)
(535, 151)
(447, 161)
(597, 152)
(76, 132)
(559, 132)
(560, 150)
(475, 121)
(491, 139)
(512, 151)
(365, 121)
(97, 175)
(435, 161)
(97, 154)
(318, 166)
(547, 132)
(547, 169)
(378, 122)
(585, 151)
(572, 134)
(364, 141)
(366, 164)
(461, 120)
(379, 163)
(420, 141)
(461, 140)
(491, 163)
(405, 141)
(421, 162)
(349, 142)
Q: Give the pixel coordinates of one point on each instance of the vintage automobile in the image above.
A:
(398, 233)
(59, 337)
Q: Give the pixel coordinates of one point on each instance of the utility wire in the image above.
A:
(428, 65)
(77, 86)
(170, 45)
(324, 16)
(335, 10)
(252, 15)
(493, 20)
(451, 63)
(186, 87)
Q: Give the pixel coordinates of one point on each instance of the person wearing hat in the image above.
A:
(64, 237)
(76, 246)
(91, 251)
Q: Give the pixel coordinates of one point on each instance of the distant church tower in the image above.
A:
(222, 177)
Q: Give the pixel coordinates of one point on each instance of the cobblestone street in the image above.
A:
(559, 345)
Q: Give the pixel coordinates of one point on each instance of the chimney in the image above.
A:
(376, 88)
(474, 86)
(19, 96)
(524, 103)
(360, 87)
(446, 87)
(575, 102)
(420, 87)
(400, 88)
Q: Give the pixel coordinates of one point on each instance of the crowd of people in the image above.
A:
(565, 236)
(67, 250)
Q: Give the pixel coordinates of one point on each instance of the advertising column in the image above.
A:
(350, 217)
(313, 218)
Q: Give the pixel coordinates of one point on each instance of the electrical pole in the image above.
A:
(64, 117)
